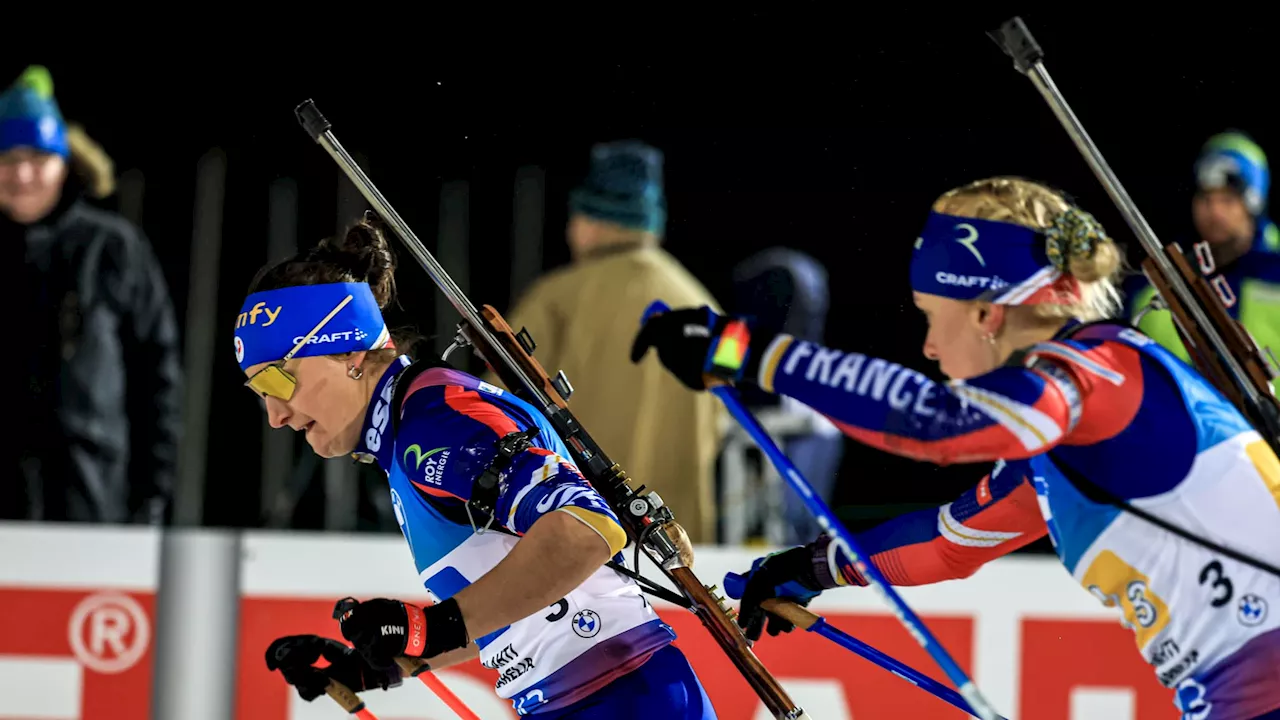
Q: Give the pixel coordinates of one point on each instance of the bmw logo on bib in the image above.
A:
(1252, 610)
(586, 624)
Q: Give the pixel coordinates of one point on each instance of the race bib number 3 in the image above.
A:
(1118, 584)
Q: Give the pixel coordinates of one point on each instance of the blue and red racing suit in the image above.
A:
(445, 437)
(1105, 403)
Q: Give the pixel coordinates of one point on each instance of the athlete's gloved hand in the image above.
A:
(295, 657)
(787, 575)
(695, 342)
(383, 629)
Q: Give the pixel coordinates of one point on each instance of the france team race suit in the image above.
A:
(432, 451)
(1102, 406)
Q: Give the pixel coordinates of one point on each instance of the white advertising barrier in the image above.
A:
(1037, 644)
(77, 627)
(78, 635)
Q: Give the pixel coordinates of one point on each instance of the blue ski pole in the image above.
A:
(806, 619)
(841, 539)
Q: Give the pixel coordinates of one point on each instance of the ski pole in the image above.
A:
(349, 701)
(843, 540)
(809, 621)
(416, 667)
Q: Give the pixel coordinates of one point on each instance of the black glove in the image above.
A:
(788, 575)
(383, 629)
(694, 342)
(295, 657)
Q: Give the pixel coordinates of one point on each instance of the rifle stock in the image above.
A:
(1266, 414)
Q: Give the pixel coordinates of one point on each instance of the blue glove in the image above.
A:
(787, 575)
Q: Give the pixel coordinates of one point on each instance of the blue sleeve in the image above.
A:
(1010, 412)
(447, 437)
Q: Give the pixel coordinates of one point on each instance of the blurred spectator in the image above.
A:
(786, 289)
(1230, 213)
(583, 318)
(96, 442)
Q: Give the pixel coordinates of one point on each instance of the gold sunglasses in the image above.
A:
(273, 380)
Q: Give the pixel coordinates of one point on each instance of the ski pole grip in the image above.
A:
(343, 695)
(791, 612)
(412, 667)
(1015, 40)
(312, 121)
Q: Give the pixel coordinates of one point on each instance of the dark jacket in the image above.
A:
(95, 378)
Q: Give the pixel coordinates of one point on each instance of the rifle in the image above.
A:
(648, 522)
(1222, 350)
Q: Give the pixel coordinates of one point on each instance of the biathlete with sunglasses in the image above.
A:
(1081, 414)
(516, 572)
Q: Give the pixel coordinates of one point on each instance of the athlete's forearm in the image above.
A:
(557, 554)
(454, 657)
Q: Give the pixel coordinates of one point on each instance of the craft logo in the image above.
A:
(586, 624)
(331, 337)
(946, 278)
(251, 317)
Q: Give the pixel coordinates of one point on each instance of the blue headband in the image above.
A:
(967, 259)
(273, 322)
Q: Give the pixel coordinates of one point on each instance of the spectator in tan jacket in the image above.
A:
(665, 438)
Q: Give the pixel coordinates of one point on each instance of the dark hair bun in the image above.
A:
(365, 253)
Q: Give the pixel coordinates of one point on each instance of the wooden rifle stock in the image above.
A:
(610, 480)
(1239, 343)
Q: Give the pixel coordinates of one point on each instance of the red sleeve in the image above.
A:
(996, 517)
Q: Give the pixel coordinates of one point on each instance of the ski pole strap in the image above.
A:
(484, 489)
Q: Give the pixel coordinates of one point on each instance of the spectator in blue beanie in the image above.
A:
(663, 436)
(98, 443)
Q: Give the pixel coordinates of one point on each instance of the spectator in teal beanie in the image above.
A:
(582, 316)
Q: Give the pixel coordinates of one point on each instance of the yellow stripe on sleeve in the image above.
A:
(605, 527)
